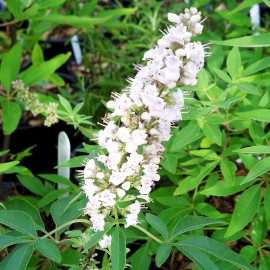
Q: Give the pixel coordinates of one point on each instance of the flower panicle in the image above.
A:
(32, 103)
(141, 119)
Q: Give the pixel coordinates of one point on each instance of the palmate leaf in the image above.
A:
(216, 249)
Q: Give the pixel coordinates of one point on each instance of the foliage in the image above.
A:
(214, 191)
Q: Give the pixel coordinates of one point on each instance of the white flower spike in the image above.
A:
(141, 120)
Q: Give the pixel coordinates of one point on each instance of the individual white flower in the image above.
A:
(89, 188)
(117, 178)
(120, 192)
(98, 222)
(131, 220)
(106, 241)
(123, 134)
(107, 198)
(134, 208)
(126, 185)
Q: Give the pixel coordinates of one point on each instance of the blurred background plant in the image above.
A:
(75, 53)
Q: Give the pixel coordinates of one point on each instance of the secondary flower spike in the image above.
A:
(142, 118)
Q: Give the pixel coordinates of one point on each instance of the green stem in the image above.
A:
(8, 23)
(66, 224)
(148, 233)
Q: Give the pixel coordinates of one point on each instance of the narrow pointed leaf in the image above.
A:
(233, 62)
(259, 149)
(18, 258)
(19, 221)
(48, 249)
(158, 224)
(201, 259)
(262, 40)
(11, 114)
(10, 66)
(258, 169)
(190, 223)
(163, 254)
(216, 249)
(141, 259)
(245, 209)
(118, 250)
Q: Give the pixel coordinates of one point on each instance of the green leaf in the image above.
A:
(50, 3)
(32, 183)
(163, 253)
(222, 75)
(190, 183)
(65, 104)
(212, 132)
(259, 115)
(228, 169)
(205, 153)
(82, 22)
(50, 197)
(10, 66)
(157, 223)
(244, 4)
(36, 73)
(115, 12)
(223, 188)
(37, 55)
(201, 259)
(48, 249)
(18, 258)
(266, 204)
(245, 209)
(8, 240)
(259, 149)
(170, 162)
(19, 221)
(258, 229)
(249, 253)
(28, 208)
(191, 223)
(73, 162)
(233, 62)
(262, 40)
(249, 88)
(216, 249)
(59, 179)
(11, 115)
(258, 169)
(8, 165)
(66, 209)
(118, 249)
(267, 2)
(185, 136)
(257, 66)
(141, 259)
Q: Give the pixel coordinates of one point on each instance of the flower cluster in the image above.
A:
(34, 105)
(142, 118)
